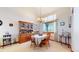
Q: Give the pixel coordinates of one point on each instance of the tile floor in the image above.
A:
(25, 47)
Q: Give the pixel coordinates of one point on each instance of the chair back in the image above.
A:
(32, 38)
(48, 36)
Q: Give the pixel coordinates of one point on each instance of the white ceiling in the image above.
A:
(34, 12)
(26, 11)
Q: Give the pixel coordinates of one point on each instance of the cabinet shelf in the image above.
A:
(25, 30)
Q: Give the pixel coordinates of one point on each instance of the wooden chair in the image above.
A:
(46, 40)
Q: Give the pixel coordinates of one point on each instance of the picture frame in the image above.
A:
(11, 25)
(1, 22)
(62, 23)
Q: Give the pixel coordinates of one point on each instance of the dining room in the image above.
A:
(36, 29)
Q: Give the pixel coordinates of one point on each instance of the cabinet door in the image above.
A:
(28, 37)
(22, 38)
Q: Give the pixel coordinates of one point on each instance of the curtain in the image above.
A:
(48, 27)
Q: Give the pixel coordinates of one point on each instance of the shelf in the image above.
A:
(25, 29)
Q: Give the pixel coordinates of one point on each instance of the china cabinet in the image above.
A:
(25, 30)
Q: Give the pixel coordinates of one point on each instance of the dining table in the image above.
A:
(39, 38)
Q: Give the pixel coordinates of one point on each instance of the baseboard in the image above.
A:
(72, 51)
(8, 44)
(51, 40)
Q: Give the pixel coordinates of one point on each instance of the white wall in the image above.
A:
(63, 16)
(75, 30)
(9, 15)
(64, 28)
(6, 28)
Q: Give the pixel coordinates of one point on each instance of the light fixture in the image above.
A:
(40, 19)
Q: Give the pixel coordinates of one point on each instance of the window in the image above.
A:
(50, 18)
(49, 27)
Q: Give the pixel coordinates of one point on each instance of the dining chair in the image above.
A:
(46, 40)
(33, 41)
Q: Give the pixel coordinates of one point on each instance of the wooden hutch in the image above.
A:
(25, 30)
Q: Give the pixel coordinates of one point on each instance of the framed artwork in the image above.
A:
(11, 25)
(62, 23)
(1, 22)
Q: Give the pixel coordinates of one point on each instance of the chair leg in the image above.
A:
(49, 44)
(31, 45)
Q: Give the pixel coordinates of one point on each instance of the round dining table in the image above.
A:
(39, 38)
